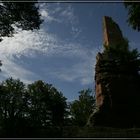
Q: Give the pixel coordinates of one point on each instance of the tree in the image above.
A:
(58, 107)
(120, 59)
(33, 107)
(133, 14)
(47, 105)
(82, 108)
(24, 15)
(13, 105)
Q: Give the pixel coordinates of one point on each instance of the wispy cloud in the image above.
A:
(11, 69)
(30, 44)
(82, 71)
(57, 13)
(25, 43)
(68, 13)
(45, 13)
(62, 15)
(79, 72)
(78, 60)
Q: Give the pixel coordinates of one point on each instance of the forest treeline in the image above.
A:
(39, 109)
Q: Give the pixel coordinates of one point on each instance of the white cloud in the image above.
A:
(59, 13)
(46, 16)
(44, 13)
(68, 13)
(25, 43)
(82, 68)
(83, 75)
(29, 44)
(41, 43)
(11, 69)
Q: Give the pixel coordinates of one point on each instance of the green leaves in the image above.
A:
(119, 59)
(37, 105)
(133, 14)
(12, 98)
(47, 105)
(24, 15)
(82, 108)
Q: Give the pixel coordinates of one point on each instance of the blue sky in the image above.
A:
(63, 52)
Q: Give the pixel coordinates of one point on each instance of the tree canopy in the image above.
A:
(24, 15)
(82, 108)
(47, 105)
(133, 14)
(35, 106)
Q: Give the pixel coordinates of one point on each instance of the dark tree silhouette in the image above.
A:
(133, 14)
(26, 110)
(82, 108)
(12, 105)
(24, 15)
(47, 105)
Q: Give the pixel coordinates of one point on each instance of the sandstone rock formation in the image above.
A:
(117, 81)
(111, 32)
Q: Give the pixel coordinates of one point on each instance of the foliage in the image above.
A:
(36, 106)
(23, 15)
(120, 59)
(12, 104)
(117, 71)
(47, 105)
(133, 14)
(82, 108)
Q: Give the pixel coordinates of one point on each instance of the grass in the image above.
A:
(101, 132)
(79, 132)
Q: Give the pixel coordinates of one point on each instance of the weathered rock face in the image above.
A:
(111, 32)
(117, 82)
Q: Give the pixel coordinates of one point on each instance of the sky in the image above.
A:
(63, 52)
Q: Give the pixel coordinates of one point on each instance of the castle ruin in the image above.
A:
(116, 81)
